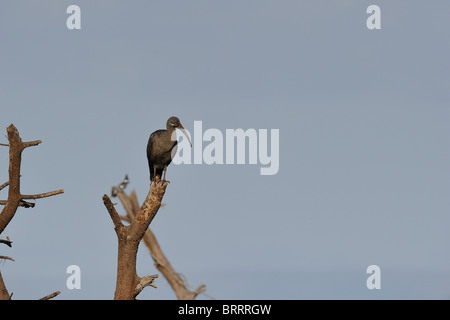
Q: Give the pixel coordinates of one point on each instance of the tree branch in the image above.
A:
(128, 282)
(145, 282)
(7, 242)
(43, 195)
(163, 265)
(6, 258)
(15, 198)
(50, 296)
(31, 143)
(22, 203)
(179, 286)
(4, 185)
(113, 213)
(4, 295)
(15, 150)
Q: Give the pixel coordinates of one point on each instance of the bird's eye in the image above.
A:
(173, 124)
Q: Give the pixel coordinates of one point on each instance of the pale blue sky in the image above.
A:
(364, 160)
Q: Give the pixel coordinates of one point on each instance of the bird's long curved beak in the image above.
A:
(185, 133)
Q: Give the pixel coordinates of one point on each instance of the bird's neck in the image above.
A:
(170, 131)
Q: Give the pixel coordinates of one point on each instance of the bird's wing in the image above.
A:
(149, 156)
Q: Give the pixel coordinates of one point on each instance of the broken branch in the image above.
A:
(113, 213)
(22, 203)
(145, 282)
(31, 143)
(50, 296)
(6, 258)
(128, 282)
(7, 242)
(179, 286)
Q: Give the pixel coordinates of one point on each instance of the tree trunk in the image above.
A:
(127, 278)
(129, 284)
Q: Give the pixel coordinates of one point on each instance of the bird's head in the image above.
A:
(174, 122)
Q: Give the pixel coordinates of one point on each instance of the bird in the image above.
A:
(161, 146)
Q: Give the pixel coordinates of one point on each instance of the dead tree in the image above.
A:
(179, 286)
(128, 283)
(15, 198)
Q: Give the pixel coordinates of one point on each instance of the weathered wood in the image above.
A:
(15, 198)
(128, 283)
(179, 286)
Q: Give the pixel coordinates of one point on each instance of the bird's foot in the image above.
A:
(158, 180)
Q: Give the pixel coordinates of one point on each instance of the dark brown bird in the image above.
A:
(162, 146)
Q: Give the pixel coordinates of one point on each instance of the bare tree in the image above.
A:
(179, 286)
(128, 283)
(15, 198)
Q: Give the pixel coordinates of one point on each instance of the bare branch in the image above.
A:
(4, 185)
(134, 203)
(126, 204)
(130, 237)
(6, 258)
(125, 218)
(4, 295)
(50, 296)
(22, 203)
(15, 151)
(145, 282)
(43, 195)
(163, 265)
(200, 289)
(113, 213)
(31, 143)
(149, 208)
(15, 198)
(6, 241)
(179, 286)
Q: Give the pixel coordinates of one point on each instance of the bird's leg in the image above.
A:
(164, 174)
(154, 174)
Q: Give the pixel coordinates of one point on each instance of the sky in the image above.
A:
(362, 116)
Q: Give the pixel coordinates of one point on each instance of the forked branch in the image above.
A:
(15, 198)
(129, 284)
(179, 286)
